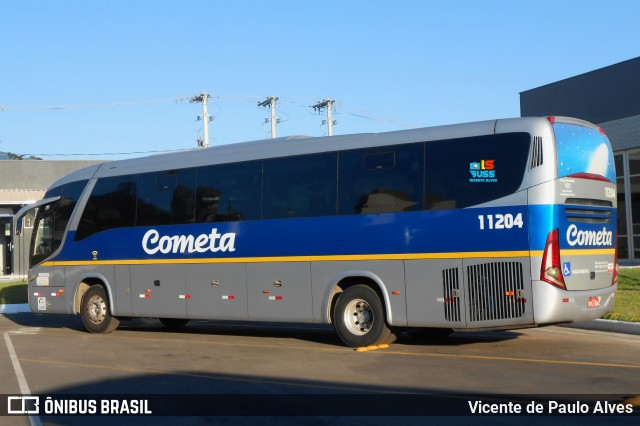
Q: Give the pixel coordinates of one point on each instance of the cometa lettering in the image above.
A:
(589, 238)
(153, 242)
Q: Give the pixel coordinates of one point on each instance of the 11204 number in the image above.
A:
(500, 221)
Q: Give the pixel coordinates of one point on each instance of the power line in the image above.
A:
(90, 106)
(108, 153)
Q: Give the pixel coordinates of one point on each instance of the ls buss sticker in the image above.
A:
(484, 171)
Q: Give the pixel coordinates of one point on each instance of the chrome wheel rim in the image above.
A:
(358, 317)
(96, 309)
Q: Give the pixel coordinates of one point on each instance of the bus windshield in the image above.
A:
(583, 150)
(51, 221)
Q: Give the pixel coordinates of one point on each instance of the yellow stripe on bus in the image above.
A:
(348, 257)
(587, 252)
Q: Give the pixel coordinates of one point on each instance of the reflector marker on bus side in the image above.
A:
(184, 296)
(275, 297)
(228, 297)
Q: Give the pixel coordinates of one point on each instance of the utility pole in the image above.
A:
(203, 97)
(328, 104)
(271, 102)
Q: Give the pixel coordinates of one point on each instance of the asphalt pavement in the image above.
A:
(623, 327)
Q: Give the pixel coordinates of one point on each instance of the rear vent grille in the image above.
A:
(451, 291)
(536, 152)
(589, 202)
(588, 216)
(496, 291)
(594, 214)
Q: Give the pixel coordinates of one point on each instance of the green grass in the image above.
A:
(13, 292)
(627, 307)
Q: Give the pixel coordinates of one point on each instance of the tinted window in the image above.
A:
(166, 198)
(583, 150)
(378, 180)
(300, 186)
(229, 192)
(469, 171)
(52, 220)
(112, 204)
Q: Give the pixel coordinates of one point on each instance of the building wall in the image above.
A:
(24, 182)
(610, 98)
(598, 96)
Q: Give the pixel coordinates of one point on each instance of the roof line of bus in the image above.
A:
(285, 147)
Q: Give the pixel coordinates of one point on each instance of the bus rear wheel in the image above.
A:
(359, 317)
(95, 311)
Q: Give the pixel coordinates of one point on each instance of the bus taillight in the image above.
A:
(550, 270)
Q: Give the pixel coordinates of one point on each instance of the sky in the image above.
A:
(113, 79)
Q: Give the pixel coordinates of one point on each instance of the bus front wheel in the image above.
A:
(359, 317)
(95, 311)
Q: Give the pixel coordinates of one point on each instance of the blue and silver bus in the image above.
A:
(490, 225)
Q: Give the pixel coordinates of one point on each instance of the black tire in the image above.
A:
(173, 322)
(359, 318)
(95, 311)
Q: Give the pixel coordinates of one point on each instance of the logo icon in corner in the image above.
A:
(26, 404)
(483, 171)
(566, 269)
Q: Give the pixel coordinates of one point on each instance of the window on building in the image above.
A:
(634, 196)
(623, 237)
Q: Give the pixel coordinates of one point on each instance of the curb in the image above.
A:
(14, 309)
(608, 325)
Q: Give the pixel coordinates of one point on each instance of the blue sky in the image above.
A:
(87, 78)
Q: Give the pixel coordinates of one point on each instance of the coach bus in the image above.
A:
(490, 225)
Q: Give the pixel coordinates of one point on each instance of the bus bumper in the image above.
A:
(553, 305)
(49, 300)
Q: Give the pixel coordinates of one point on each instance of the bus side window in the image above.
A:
(469, 171)
(229, 192)
(300, 186)
(166, 198)
(381, 180)
(112, 204)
